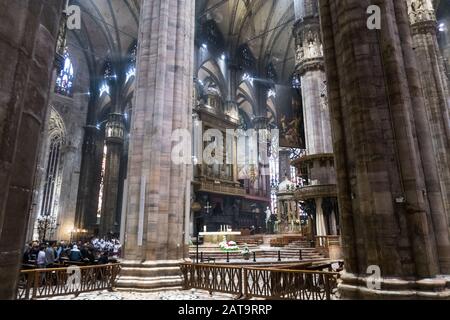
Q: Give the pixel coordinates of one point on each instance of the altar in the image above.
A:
(217, 237)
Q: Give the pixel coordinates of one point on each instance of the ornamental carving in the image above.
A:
(420, 11)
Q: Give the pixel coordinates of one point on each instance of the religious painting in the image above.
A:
(290, 119)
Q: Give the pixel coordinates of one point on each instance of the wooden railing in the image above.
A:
(45, 283)
(289, 284)
(286, 240)
(223, 279)
(207, 186)
(261, 282)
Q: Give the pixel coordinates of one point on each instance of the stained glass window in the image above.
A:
(64, 81)
(102, 184)
(132, 53)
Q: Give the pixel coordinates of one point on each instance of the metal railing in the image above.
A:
(265, 283)
(46, 283)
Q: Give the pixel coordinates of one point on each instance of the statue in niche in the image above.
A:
(311, 49)
(300, 53)
(268, 214)
(417, 5)
(420, 10)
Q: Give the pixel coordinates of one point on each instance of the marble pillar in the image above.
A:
(310, 68)
(388, 185)
(156, 210)
(435, 89)
(28, 33)
(115, 129)
(87, 203)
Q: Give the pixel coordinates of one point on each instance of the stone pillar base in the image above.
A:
(150, 275)
(354, 287)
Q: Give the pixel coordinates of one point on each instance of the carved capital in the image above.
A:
(420, 11)
(424, 27)
(308, 45)
(115, 128)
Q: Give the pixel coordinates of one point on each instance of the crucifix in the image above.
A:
(207, 207)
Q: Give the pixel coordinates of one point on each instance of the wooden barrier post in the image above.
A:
(246, 293)
(35, 285)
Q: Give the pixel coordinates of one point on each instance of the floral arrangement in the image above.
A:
(228, 246)
(246, 252)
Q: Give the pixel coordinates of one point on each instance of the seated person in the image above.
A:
(75, 254)
(104, 259)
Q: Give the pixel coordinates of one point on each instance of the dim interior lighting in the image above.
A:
(247, 77)
(130, 73)
(104, 89)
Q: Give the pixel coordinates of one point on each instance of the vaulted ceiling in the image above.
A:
(264, 25)
(108, 29)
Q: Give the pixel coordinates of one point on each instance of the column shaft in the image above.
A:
(435, 91)
(156, 185)
(388, 191)
(28, 31)
(109, 224)
(318, 163)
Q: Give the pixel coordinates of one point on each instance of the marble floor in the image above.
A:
(135, 295)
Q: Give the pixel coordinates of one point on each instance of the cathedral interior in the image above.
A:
(327, 136)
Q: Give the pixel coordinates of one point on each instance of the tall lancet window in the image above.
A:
(64, 81)
(132, 54)
(47, 220)
(107, 76)
(102, 184)
(274, 164)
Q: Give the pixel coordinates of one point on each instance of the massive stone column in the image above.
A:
(114, 144)
(157, 186)
(28, 32)
(86, 209)
(390, 200)
(435, 86)
(318, 162)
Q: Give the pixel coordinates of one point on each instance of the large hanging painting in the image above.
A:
(290, 119)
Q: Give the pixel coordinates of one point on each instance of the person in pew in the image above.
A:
(84, 251)
(34, 251)
(75, 254)
(59, 251)
(50, 256)
(41, 261)
(104, 259)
